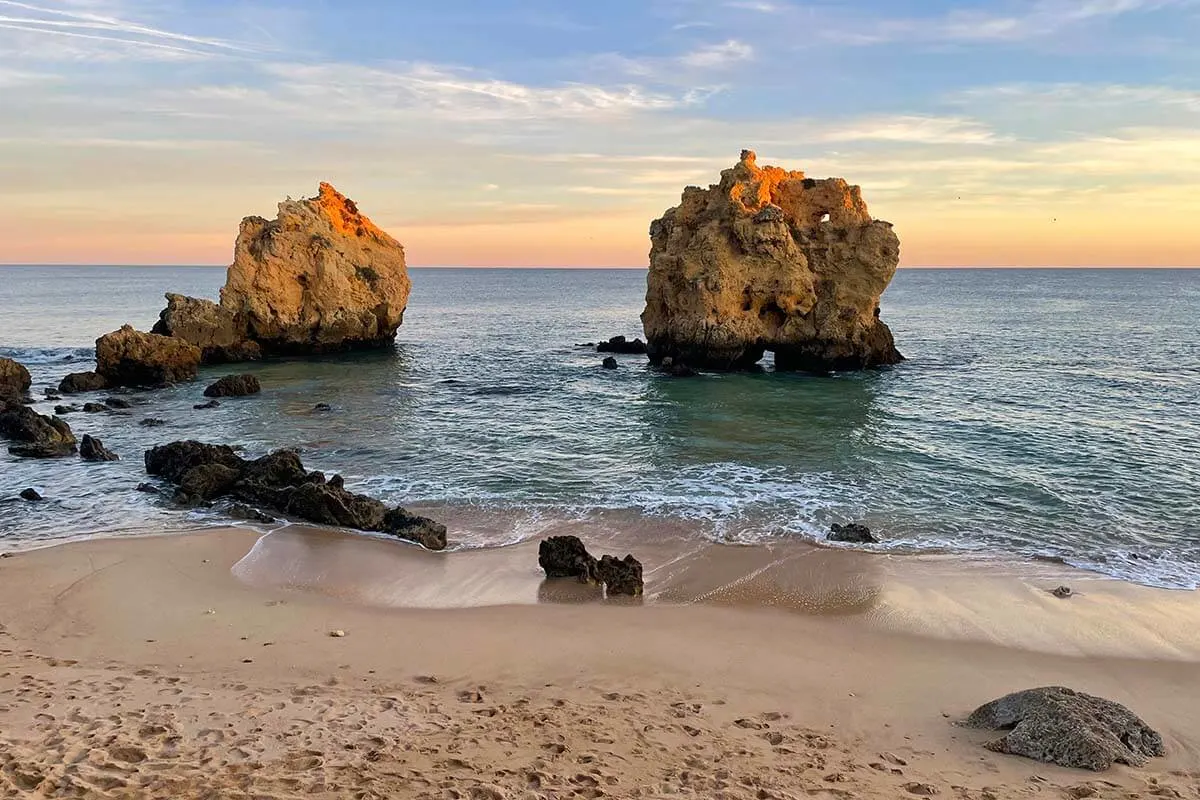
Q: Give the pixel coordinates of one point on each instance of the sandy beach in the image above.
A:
(203, 666)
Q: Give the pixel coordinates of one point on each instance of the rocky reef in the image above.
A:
(320, 277)
(34, 435)
(14, 379)
(770, 260)
(206, 472)
(129, 357)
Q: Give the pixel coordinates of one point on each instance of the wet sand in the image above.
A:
(142, 667)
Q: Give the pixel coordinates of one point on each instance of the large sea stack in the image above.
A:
(318, 278)
(770, 260)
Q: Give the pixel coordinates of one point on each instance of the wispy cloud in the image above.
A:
(715, 56)
(915, 129)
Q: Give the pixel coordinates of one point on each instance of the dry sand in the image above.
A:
(145, 668)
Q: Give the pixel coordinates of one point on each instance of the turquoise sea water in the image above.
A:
(1041, 412)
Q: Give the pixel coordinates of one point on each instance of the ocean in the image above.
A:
(1041, 413)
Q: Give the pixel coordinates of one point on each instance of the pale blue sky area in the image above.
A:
(509, 114)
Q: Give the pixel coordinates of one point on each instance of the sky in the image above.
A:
(543, 133)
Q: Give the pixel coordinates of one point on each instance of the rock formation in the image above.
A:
(92, 449)
(80, 382)
(619, 344)
(234, 386)
(566, 557)
(34, 435)
(205, 472)
(131, 358)
(1068, 728)
(320, 277)
(14, 379)
(853, 533)
(770, 260)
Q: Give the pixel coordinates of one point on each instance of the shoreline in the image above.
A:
(181, 679)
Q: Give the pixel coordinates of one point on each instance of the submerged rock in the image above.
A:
(206, 406)
(320, 277)
(60, 410)
(234, 386)
(129, 357)
(14, 379)
(34, 435)
(566, 557)
(31, 495)
(95, 408)
(853, 533)
(770, 260)
(609, 363)
(79, 382)
(205, 472)
(619, 344)
(1072, 729)
(116, 402)
(92, 449)
(152, 422)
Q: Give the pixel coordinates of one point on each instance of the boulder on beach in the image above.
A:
(79, 382)
(1072, 729)
(14, 379)
(92, 449)
(320, 277)
(769, 259)
(278, 481)
(129, 357)
(567, 557)
(34, 435)
(234, 386)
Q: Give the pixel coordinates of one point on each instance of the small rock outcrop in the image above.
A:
(234, 386)
(566, 557)
(770, 260)
(34, 435)
(852, 533)
(619, 344)
(205, 472)
(1072, 729)
(320, 277)
(92, 449)
(609, 363)
(129, 357)
(31, 495)
(80, 382)
(14, 379)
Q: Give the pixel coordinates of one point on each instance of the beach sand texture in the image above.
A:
(142, 667)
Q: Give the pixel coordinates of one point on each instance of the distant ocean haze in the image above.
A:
(1041, 412)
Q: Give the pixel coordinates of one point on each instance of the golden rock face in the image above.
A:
(769, 259)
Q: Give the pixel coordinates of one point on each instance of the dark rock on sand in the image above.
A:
(619, 344)
(204, 406)
(234, 386)
(92, 449)
(60, 410)
(34, 435)
(566, 557)
(116, 402)
(152, 422)
(621, 575)
(14, 379)
(243, 511)
(278, 481)
(1062, 592)
(1072, 729)
(31, 495)
(129, 357)
(79, 382)
(609, 363)
(853, 533)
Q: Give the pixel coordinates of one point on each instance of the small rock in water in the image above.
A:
(152, 422)
(338, 634)
(209, 404)
(322, 407)
(234, 386)
(242, 511)
(148, 488)
(30, 495)
(78, 382)
(92, 449)
(116, 402)
(61, 410)
(52, 396)
(1062, 592)
(609, 363)
(94, 408)
(619, 344)
(853, 533)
